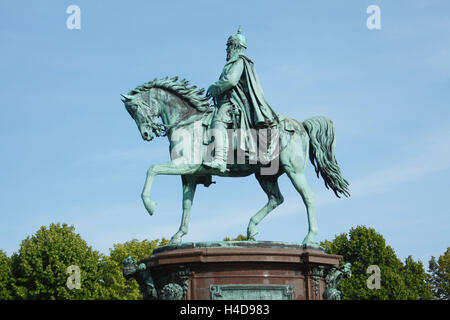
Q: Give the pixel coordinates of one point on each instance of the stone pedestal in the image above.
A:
(233, 270)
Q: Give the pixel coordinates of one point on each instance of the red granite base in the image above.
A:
(248, 270)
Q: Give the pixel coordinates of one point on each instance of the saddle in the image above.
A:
(268, 145)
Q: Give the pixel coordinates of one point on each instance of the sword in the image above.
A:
(233, 112)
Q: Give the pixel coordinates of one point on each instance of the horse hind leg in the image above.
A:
(293, 162)
(270, 186)
(189, 186)
(298, 179)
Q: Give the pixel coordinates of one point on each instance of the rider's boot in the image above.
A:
(221, 148)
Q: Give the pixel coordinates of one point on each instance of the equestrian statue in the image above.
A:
(232, 131)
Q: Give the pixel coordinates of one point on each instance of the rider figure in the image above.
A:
(238, 95)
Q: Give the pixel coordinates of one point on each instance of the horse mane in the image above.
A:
(180, 88)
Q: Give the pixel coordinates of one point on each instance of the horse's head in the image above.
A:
(145, 116)
(171, 99)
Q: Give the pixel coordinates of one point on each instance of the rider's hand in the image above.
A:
(212, 91)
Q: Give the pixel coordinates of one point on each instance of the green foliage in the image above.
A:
(416, 280)
(240, 237)
(440, 276)
(40, 267)
(114, 279)
(5, 277)
(364, 247)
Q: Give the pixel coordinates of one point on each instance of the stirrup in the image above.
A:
(216, 164)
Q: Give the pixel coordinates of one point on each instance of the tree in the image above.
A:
(40, 266)
(240, 237)
(5, 277)
(114, 279)
(416, 280)
(440, 276)
(364, 247)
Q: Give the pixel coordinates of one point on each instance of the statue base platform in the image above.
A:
(234, 270)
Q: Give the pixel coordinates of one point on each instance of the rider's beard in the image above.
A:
(229, 54)
(232, 53)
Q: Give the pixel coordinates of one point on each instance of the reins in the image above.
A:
(163, 129)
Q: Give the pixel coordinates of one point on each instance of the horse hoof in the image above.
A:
(251, 235)
(174, 242)
(310, 244)
(150, 205)
(251, 231)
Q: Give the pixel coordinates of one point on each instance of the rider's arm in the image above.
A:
(229, 78)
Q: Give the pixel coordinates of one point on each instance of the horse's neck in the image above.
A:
(190, 126)
(176, 112)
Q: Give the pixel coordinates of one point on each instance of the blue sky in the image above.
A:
(71, 153)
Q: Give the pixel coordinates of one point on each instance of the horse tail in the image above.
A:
(321, 153)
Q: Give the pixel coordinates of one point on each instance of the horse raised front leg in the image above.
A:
(189, 186)
(168, 168)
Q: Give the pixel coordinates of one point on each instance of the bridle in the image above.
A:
(161, 129)
(158, 128)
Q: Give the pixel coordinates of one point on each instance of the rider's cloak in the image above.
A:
(239, 86)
